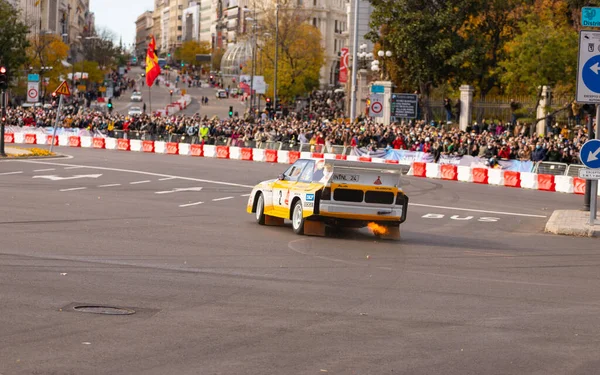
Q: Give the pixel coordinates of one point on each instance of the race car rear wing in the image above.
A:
(360, 173)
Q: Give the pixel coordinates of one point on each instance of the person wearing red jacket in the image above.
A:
(504, 152)
(398, 143)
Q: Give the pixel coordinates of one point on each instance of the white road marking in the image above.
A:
(177, 190)
(58, 178)
(139, 182)
(73, 189)
(76, 167)
(190, 204)
(167, 179)
(109, 185)
(476, 210)
(139, 172)
(45, 170)
(7, 173)
(245, 195)
(221, 199)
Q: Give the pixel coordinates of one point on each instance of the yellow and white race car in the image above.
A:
(313, 193)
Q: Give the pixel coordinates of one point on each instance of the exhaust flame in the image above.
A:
(377, 229)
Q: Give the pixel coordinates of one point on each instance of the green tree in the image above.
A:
(13, 38)
(189, 49)
(428, 48)
(48, 51)
(543, 53)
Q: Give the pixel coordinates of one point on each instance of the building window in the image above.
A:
(179, 18)
(315, 22)
(336, 26)
(335, 45)
(314, 2)
(178, 28)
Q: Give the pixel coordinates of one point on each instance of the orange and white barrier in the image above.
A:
(99, 143)
(197, 150)
(222, 152)
(160, 147)
(148, 146)
(49, 140)
(479, 175)
(235, 153)
(512, 179)
(258, 154)
(246, 154)
(495, 176)
(136, 145)
(184, 148)
(283, 157)
(449, 172)
(209, 151)
(270, 156)
(432, 170)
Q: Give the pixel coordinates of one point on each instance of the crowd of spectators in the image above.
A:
(490, 140)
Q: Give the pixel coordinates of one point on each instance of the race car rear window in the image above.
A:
(381, 197)
(348, 195)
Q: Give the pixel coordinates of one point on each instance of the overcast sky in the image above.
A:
(119, 16)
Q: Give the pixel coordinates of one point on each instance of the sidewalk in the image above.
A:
(572, 223)
(13, 151)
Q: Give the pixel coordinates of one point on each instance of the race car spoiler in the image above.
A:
(352, 172)
(371, 167)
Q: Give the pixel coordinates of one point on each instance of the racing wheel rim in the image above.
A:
(259, 207)
(297, 216)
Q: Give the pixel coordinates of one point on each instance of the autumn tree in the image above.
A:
(300, 52)
(189, 49)
(543, 53)
(13, 38)
(46, 54)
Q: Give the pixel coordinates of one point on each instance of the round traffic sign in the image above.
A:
(376, 107)
(591, 74)
(32, 93)
(590, 154)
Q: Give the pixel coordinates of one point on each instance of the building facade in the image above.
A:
(143, 31)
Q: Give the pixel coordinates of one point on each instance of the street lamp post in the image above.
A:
(384, 71)
(354, 63)
(276, 55)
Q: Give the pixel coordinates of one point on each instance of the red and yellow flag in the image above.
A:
(152, 67)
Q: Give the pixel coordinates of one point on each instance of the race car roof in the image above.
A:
(359, 165)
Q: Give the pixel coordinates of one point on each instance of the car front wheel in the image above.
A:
(298, 218)
(260, 209)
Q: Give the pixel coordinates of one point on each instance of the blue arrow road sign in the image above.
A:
(590, 154)
(591, 74)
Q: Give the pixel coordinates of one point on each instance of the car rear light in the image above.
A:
(326, 194)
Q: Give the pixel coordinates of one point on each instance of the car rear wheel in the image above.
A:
(298, 218)
(260, 209)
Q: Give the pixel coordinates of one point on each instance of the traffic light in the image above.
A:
(109, 105)
(3, 78)
(168, 55)
(230, 111)
(182, 64)
(269, 104)
(171, 93)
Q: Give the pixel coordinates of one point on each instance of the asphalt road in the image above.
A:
(473, 286)
(158, 97)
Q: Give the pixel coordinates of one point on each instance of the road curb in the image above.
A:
(571, 223)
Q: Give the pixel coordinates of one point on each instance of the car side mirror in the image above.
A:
(281, 177)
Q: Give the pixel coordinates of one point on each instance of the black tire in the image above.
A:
(298, 218)
(260, 209)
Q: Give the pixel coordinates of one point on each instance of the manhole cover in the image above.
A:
(106, 310)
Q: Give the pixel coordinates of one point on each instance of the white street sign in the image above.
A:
(376, 109)
(589, 174)
(178, 190)
(588, 72)
(57, 178)
(33, 92)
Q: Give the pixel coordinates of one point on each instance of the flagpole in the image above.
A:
(150, 98)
